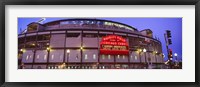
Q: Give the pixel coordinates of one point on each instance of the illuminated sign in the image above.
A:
(114, 45)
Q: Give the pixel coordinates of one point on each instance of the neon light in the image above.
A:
(114, 45)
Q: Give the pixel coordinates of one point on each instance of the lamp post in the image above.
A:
(81, 48)
(147, 65)
(48, 50)
(139, 52)
(21, 52)
(155, 52)
(163, 55)
(176, 56)
(34, 53)
(68, 51)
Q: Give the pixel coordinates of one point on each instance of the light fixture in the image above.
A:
(81, 48)
(163, 55)
(68, 51)
(123, 57)
(33, 44)
(21, 50)
(140, 50)
(175, 54)
(48, 48)
(118, 56)
(144, 50)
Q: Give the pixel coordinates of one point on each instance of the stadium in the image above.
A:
(82, 43)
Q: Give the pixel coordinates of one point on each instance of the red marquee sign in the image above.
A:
(114, 45)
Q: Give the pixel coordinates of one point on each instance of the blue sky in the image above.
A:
(157, 25)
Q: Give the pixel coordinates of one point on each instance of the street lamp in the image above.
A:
(22, 50)
(176, 56)
(155, 52)
(144, 50)
(63, 66)
(163, 55)
(81, 48)
(48, 48)
(139, 51)
(68, 51)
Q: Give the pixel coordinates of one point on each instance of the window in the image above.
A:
(38, 56)
(21, 40)
(73, 34)
(103, 56)
(31, 45)
(27, 57)
(94, 56)
(86, 57)
(32, 27)
(30, 38)
(123, 57)
(45, 57)
(90, 35)
(42, 44)
(76, 56)
(46, 37)
(43, 37)
(61, 57)
(103, 35)
(131, 57)
(52, 57)
(135, 57)
(118, 56)
(108, 56)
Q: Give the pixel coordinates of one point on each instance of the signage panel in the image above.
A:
(114, 45)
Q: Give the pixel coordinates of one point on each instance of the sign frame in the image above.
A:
(4, 3)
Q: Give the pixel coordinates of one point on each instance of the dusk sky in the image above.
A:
(157, 25)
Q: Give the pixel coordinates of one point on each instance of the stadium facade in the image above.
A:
(87, 44)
